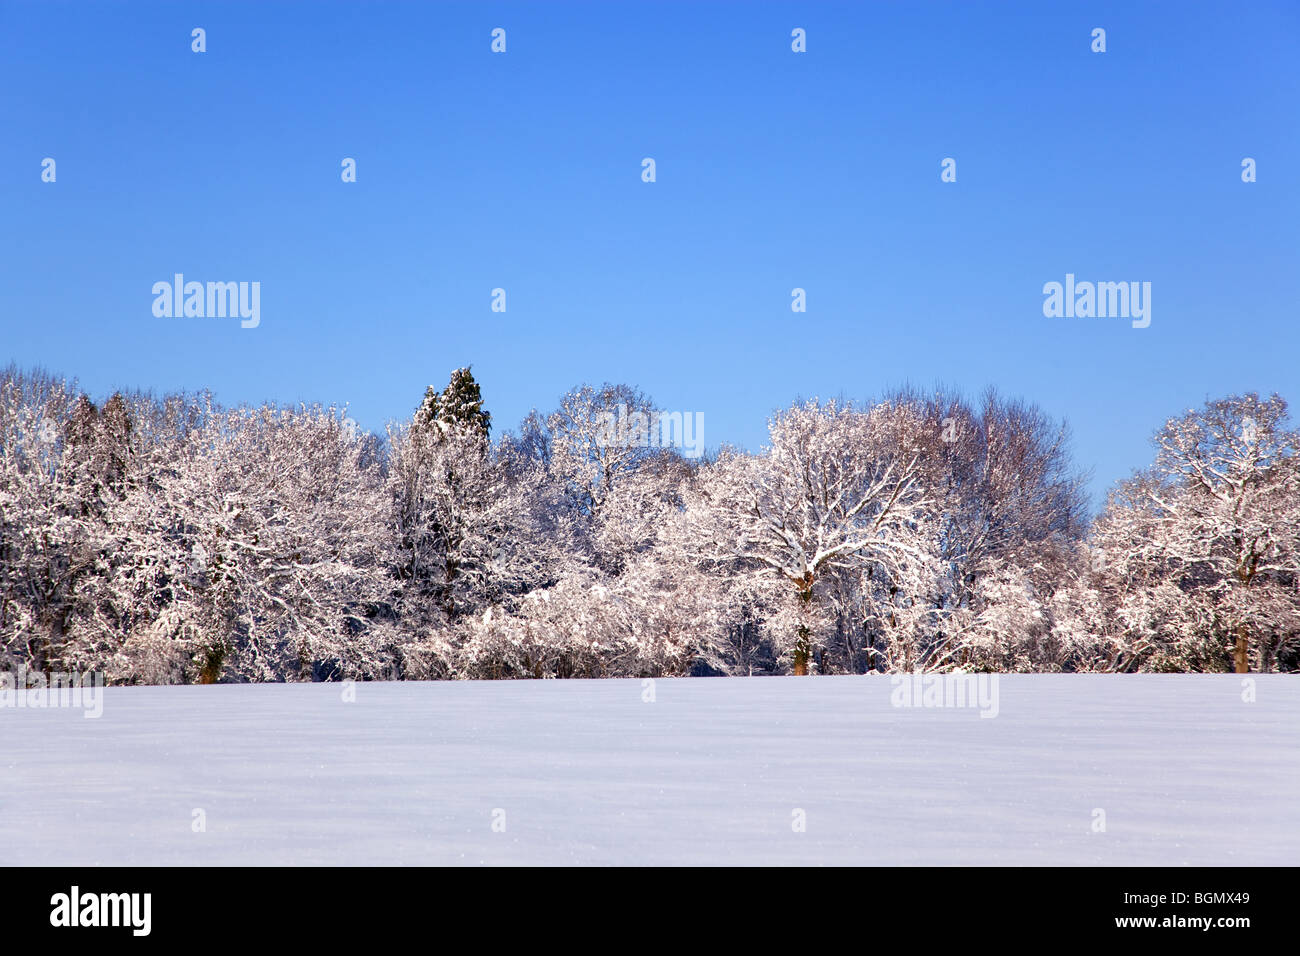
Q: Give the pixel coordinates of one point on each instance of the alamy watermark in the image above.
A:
(1102, 300)
(954, 689)
(211, 300)
(623, 429)
(36, 690)
(75, 908)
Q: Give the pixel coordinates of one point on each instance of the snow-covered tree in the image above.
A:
(49, 519)
(1201, 552)
(245, 545)
(462, 518)
(172, 540)
(460, 403)
(1008, 514)
(584, 453)
(836, 489)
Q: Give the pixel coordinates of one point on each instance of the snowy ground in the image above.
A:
(711, 772)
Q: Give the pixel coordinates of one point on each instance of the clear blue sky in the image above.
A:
(775, 170)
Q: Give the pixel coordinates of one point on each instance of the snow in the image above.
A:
(710, 772)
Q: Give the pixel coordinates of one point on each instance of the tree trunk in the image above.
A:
(1239, 654)
(213, 659)
(803, 642)
(801, 653)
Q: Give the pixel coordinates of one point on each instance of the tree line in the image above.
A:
(173, 540)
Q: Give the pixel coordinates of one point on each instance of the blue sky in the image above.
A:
(775, 170)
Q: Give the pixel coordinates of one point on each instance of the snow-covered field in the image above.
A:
(712, 771)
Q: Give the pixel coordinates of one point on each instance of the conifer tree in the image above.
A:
(460, 403)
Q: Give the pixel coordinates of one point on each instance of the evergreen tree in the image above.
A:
(439, 464)
(460, 403)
